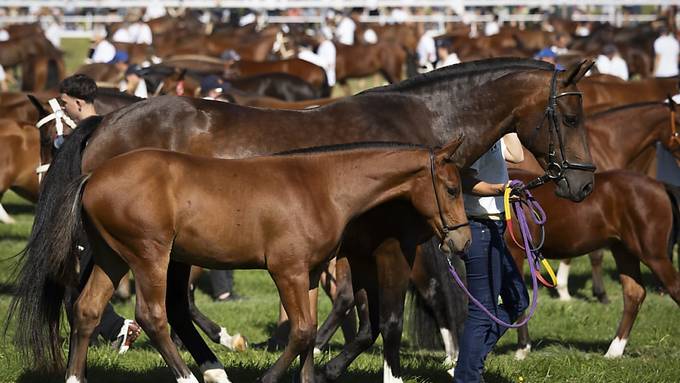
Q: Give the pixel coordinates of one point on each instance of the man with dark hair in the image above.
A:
(78, 93)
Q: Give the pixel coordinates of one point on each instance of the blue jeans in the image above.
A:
(491, 272)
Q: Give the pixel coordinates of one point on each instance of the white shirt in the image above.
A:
(103, 52)
(615, 67)
(491, 28)
(667, 49)
(4, 35)
(122, 35)
(345, 31)
(328, 53)
(141, 33)
(140, 91)
(3, 77)
(53, 33)
(426, 49)
(370, 36)
(321, 61)
(451, 59)
(155, 9)
(490, 167)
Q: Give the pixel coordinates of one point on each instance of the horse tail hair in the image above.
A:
(325, 89)
(674, 195)
(444, 294)
(45, 267)
(48, 267)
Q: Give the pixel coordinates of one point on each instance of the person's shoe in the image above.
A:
(228, 297)
(128, 334)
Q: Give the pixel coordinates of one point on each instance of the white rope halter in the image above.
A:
(60, 118)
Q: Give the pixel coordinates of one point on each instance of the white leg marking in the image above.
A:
(214, 373)
(450, 371)
(563, 281)
(72, 379)
(317, 351)
(4, 217)
(225, 338)
(616, 348)
(522, 353)
(451, 352)
(190, 379)
(387, 375)
(234, 342)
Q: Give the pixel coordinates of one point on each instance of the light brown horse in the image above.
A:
(19, 157)
(632, 214)
(286, 214)
(600, 94)
(361, 60)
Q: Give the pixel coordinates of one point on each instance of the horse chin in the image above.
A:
(575, 185)
(457, 241)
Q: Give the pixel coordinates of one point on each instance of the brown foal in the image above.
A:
(286, 214)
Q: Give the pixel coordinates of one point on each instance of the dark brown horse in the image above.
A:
(236, 214)
(510, 94)
(305, 70)
(19, 156)
(631, 214)
(361, 60)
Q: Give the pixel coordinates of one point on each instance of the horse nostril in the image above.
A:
(467, 246)
(587, 189)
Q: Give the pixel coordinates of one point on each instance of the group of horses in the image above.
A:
(370, 180)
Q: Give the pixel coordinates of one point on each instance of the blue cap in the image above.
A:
(209, 83)
(120, 56)
(545, 52)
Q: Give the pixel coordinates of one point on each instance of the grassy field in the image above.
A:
(569, 339)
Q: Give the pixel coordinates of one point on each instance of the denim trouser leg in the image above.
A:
(490, 274)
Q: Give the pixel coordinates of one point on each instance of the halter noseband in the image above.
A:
(445, 226)
(59, 118)
(555, 170)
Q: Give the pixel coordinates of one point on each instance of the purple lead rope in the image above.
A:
(531, 257)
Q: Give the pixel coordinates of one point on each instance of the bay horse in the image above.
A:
(633, 215)
(361, 60)
(508, 94)
(19, 157)
(311, 73)
(248, 213)
(619, 138)
(600, 94)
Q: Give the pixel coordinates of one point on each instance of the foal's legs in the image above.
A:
(599, 292)
(87, 313)
(180, 319)
(293, 286)
(633, 296)
(343, 307)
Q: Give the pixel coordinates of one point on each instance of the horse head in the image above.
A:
(673, 142)
(53, 128)
(558, 139)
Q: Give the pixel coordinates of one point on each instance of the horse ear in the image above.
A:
(577, 71)
(36, 103)
(447, 151)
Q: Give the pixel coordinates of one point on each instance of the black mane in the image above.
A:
(467, 69)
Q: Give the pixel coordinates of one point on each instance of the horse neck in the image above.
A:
(618, 139)
(362, 180)
(483, 110)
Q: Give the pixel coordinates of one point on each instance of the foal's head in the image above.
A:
(672, 143)
(438, 196)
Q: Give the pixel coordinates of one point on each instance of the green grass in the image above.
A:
(569, 338)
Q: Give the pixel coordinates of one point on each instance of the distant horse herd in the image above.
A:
(285, 178)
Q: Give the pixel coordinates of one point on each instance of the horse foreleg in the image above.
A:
(596, 260)
(633, 296)
(342, 312)
(4, 216)
(393, 278)
(293, 287)
(215, 332)
(179, 317)
(563, 279)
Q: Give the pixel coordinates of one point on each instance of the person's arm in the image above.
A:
(512, 148)
(472, 185)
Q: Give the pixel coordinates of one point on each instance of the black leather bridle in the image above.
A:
(446, 228)
(555, 170)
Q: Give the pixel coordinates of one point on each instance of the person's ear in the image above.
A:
(79, 106)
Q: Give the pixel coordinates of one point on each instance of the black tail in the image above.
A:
(445, 297)
(48, 263)
(674, 194)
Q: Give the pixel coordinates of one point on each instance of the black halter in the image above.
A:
(555, 170)
(445, 226)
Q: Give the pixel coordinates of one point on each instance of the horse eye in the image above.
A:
(453, 192)
(570, 120)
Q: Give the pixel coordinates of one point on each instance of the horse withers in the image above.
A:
(286, 214)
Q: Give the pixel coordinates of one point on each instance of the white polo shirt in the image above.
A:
(615, 67)
(668, 49)
(345, 31)
(103, 52)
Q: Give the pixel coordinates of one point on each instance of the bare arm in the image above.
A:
(512, 148)
(472, 185)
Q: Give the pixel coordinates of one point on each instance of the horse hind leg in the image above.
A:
(179, 317)
(633, 296)
(596, 261)
(4, 216)
(563, 280)
(342, 312)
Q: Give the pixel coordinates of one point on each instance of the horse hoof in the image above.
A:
(603, 298)
(564, 296)
(239, 343)
(450, 371)
(522, 353)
